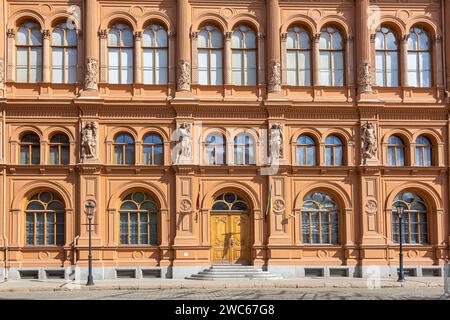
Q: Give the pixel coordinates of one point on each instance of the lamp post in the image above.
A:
(400, 212)
(90, 206)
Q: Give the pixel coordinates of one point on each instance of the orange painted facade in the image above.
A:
(364, 190)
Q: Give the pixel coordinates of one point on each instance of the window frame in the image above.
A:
(396, 147)
(309, 212)
(425, 148)
(385, 52)
(418, 52)
(215, 146)
(333, 148)
(147, 198)
(244, 50)
(45, 212)
(123, 146)
(65, 49)
(29, 46)
(305, 148)
(29, 146)
(120, 51)
(243, 146)
(330, 54)
(209, 50)
(60, 146)
(152, 147)
(298, 50)
(155, 49)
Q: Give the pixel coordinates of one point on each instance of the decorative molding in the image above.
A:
(46, 34)
(227, 35)
(184, 75)
(89, 134)
(365, 78)
(11, 33)
(369, 143)
(103, 34)
(274, 81)
(283, 36)
(194, 35)
(91, 74)
(260, 36)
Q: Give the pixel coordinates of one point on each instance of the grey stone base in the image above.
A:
(99, 273)
(354, 271)
(181, 272)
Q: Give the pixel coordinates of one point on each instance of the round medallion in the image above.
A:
(136, 11)
(315, 13)
(278, 205)
(45, 9)
(371, 206)
(413, 253)
(185, 205)
(227, 13)
(43, 255)
(138, 254)
(321, 254)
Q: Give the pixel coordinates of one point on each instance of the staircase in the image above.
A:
(233, 272)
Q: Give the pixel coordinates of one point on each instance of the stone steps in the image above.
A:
(234, 272)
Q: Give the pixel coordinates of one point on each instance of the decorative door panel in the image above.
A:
(230, 238)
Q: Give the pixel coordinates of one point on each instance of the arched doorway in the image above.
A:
(230, 229)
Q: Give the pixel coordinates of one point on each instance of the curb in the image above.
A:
(212, 285)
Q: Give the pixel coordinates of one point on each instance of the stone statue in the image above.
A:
(184, 144)
(91, 78)
(274, 77)
(184, 75)
(365, 79)
(368, 142)
(89, 140)
(276, 141)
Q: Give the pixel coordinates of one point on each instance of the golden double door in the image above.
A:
(230, 238)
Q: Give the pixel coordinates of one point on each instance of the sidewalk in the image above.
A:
(148, 284)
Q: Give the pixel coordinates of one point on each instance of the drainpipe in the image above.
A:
(5, 238)
(444, 47)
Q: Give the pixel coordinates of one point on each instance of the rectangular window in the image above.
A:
(127, 66)
(161, 66)
(57, 65)
(250, 70)
(325, 68)
(71, 65)
(22, 65)
(216, 67)
(148, 66)
(113, 65)
(35, 72)
(54, 155)
(237, 58)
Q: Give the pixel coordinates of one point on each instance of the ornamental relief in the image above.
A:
(89, 141)
(371, 206)
(185, 205)
(91, 77)
(184, 75)
(274, 80)
(278, 205)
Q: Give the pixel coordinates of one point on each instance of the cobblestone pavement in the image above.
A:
(237, 294)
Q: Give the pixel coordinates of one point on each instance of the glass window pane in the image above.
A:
(236, 39)
(161, 38)
(153, 229)
(36, 37)
(113, 66)
(124, 228)
(40, 241)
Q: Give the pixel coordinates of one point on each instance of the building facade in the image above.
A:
(288, 134)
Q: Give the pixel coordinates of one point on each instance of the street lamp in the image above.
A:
(400, 212)
(90, 206)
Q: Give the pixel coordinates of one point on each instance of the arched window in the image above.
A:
(215, 150)
(29, 53)
(396, 151)
(298, 60)
(120, 54)
(59, 149)
(139, 219)
(30, 149)
(306, 151)
(124, 149)
(154, 54)
(229, 201)
(210, 45)
(153, 149)
(243, 56)
(244, 149)
(64, 54)
(423, 151)
(386, 60)
(331, 60)
(44, 220)
(320, 215)
(414, 220)
(419, 58)
(333, 151)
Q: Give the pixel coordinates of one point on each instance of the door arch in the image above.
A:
(230, 216)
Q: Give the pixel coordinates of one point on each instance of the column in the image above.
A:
(227, 58)
(363, 43)
(2, 56)
(137, 57)
(316, 59)
(11, 57)
(183, 48)
(46, 56)
(91, 47)
(404, 61)
(273, 48)
(437, 63)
